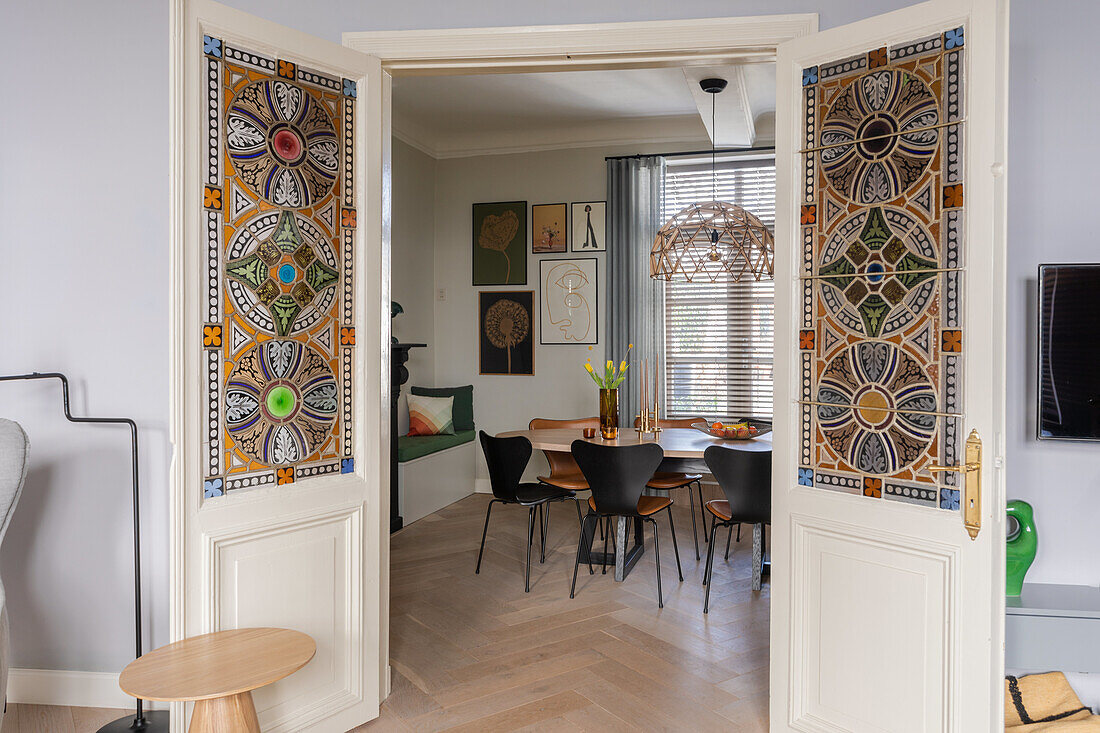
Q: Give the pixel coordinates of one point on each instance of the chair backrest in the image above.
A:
(617, 474)
(746, 481)
(506, 458)
(560, 461)
(673, 422)
(14, 449)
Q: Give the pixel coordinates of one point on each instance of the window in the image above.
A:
(719, 336)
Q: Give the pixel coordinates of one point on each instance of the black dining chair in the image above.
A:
(745, 478)
(617, 475)
(507, 458)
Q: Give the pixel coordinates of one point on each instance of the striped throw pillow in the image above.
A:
(431, 415)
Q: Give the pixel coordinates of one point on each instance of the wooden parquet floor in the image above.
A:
(58, 719)
(475, 653)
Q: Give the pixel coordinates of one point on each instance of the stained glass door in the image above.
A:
(886, 613)
(280, 394)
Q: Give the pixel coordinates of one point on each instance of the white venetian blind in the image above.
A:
(719, 336)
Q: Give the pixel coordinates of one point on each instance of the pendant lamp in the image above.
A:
(712, 240)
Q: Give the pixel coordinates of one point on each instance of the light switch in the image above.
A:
(441, 294)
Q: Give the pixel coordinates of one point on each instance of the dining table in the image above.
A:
(683, 451)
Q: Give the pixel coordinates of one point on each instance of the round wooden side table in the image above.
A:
(218, 673)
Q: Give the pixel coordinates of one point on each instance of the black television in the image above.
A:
(1069, 352)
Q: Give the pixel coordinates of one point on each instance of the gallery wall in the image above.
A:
(559, 387)
(84, 232)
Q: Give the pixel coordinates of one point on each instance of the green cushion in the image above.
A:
(463, 411)
(418, 446)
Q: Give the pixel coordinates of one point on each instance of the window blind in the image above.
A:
(719, 336)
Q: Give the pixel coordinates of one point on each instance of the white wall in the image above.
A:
(560, 388)
(412, 264)
(84, 282)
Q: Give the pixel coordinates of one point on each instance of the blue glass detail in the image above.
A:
(949, 498)
(953, 39)
(809, 76)
(287, 273)
(212, 488)
(350, 89)
(212, 46)
(874, 271)
(805, 477)
(347, 465)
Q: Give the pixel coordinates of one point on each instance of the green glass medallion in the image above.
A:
(280, 401)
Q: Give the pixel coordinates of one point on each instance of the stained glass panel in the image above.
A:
(881, 339)
(279, 226)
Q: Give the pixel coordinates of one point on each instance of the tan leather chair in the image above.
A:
(564, 471)
(669, 480)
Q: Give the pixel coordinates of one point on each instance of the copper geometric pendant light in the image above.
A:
(712, 240)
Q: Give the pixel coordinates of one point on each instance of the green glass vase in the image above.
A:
(1021, 546)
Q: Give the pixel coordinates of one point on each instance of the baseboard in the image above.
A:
(482, 486)
(75, 689)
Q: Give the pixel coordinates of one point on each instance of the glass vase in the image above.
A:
(609, 413)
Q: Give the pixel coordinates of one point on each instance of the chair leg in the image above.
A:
(675, 547)
(544, 511)
(577, 562)
(710, 553)
(702, 506)
(694, 535)
(708, 572)
(738, 531)
(728, 538)
(657, 559)
(530, 541)
(580, 517)
(488, 510)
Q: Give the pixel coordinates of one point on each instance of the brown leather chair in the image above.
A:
(564, 471)
(668, 480)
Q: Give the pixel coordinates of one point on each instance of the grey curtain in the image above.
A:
(635, 301)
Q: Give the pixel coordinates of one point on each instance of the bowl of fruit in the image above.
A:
(746, 429)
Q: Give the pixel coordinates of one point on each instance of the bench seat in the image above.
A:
(411, 447)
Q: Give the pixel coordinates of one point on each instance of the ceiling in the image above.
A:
(458, 116)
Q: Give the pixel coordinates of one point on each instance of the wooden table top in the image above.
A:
(217, 665)
(676, 442)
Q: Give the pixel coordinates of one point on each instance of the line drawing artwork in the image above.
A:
(568, 301)
(589, 225)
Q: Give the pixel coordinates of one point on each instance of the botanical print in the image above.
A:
(506, 332)
(589, 226)
(500, 243)
(882, 219)
(548, 230)
(568, 301)
(279, 224)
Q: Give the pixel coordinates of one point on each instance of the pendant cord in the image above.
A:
(713, 164)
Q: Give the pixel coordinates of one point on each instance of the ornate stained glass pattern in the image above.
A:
(882, 218)
(279, 226)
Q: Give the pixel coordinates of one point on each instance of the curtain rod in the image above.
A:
(720, 151)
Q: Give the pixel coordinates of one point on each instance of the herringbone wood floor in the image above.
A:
(475, 653)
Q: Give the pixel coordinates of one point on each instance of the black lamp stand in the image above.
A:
(155, 721)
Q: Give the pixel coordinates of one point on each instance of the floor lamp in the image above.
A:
(153, 721)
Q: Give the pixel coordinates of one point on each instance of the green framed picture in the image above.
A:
(500, 243)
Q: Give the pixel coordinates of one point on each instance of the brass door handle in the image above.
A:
(972, 483)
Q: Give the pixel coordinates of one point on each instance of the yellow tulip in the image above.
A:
(609, 364)
(588, 367)
(622, 365)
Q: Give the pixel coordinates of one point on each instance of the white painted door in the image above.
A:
(280, 369)
(890, 320)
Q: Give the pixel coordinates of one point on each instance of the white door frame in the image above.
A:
(703, 41)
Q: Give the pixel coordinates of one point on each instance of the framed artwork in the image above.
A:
(590, 226)
(549, 232)
(278, 223)
(500, 243)
(567, 301)
(505, 330)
